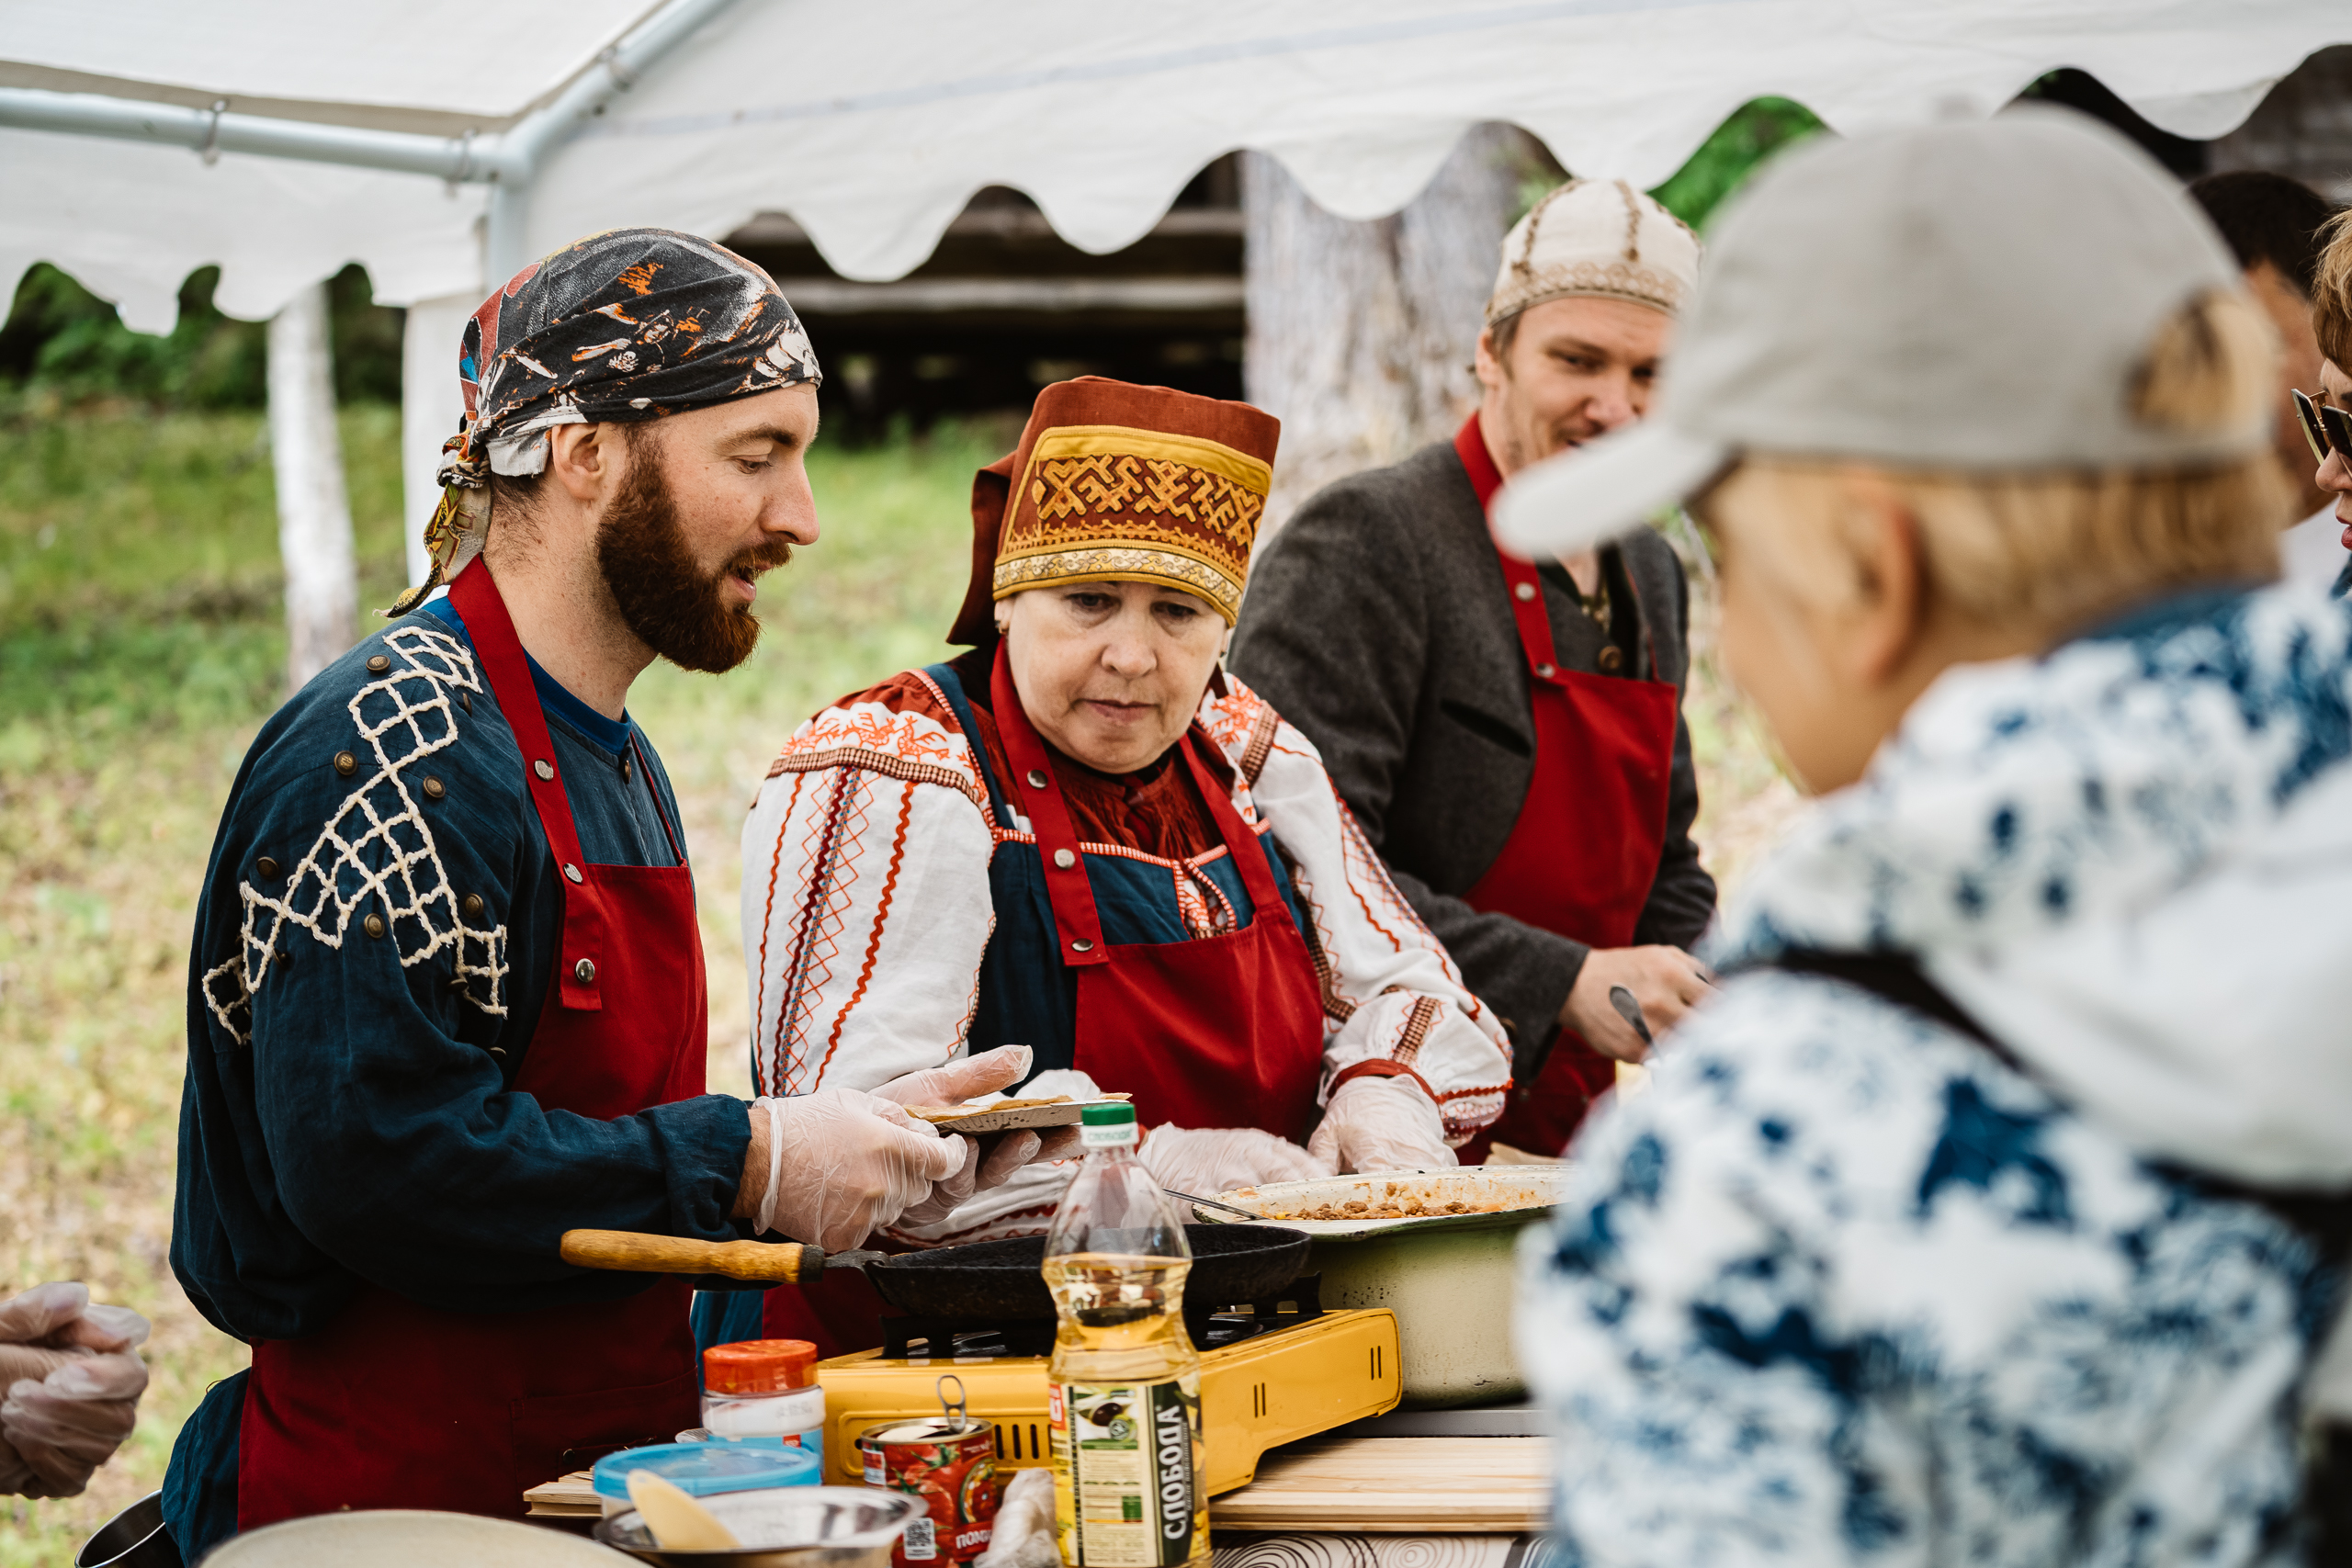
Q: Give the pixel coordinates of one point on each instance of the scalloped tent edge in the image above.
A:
(872, 122)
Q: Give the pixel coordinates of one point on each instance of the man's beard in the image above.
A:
(664, 596)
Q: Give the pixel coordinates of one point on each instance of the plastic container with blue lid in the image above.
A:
(704, 1470)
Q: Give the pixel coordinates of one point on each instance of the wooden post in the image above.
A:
(313, 512)
(1360, 333)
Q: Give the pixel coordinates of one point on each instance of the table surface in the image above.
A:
(1396, 1485)
(1385, 1485)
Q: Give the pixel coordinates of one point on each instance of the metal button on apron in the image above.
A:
(571, 870)
(545, 768)
(585, 972)
(1064, 859)
(1080, 944)
(1525, 591)
(1036, 778)
(1547, 670)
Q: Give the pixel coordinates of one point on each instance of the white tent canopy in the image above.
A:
(443, 143)
(873, 121)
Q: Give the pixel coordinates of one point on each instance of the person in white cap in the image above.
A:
(1990, 1210)
(1510, 734)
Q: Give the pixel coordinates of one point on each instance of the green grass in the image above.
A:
(140, 648)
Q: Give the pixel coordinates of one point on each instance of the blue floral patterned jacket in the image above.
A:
(1842, 1287)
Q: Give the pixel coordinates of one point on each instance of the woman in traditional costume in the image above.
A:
(1084, 837)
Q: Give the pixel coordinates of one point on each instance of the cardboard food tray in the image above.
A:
(989, 1119)
(1519, 1194)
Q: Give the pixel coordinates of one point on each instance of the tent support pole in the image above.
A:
(507, 161)
(506, 245)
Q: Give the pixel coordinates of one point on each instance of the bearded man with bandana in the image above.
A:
(446, 1001)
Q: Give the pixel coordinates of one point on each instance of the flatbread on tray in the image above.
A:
(1010, 1115)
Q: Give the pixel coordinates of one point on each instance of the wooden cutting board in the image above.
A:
(568, 1496)
(1429, 1485)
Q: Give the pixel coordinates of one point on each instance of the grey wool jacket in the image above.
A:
(1378, 623)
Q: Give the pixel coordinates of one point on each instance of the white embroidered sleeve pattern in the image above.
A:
(376, 858)
(865, 899)
(1390, 991)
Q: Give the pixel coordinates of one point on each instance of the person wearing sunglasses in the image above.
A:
(2326, 415)
(2328, 427)
(2275, 227)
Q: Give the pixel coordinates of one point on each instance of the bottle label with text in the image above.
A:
(1127, 1472)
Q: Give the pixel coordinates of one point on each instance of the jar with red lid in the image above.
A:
(764, 1390)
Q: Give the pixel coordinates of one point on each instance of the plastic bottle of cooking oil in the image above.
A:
(1124, 1388)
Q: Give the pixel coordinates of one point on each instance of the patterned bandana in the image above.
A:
(1118, 483)
(629, 324)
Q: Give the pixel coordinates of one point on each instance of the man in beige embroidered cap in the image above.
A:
(1509, 735)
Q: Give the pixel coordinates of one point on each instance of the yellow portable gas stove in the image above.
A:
(1269, 1375)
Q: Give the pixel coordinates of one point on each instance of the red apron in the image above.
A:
(402, 1406)
(1581, 857)
(1218, 1032)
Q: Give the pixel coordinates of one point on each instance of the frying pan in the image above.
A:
(1003, 1281)
(997, 1280)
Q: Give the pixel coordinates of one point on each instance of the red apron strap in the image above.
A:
(475, 594)
(1076, 924)
(1240, 838)
(1519, 578)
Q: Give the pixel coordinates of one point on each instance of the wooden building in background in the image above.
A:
(1005, 306)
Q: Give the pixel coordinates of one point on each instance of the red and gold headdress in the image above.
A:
(1114, 482)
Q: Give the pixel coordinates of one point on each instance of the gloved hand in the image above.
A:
(1205, 1161)
(1000, 1155)
(1023, 1534)
(1387, 1124)
(841, 1163)
(74, 1377)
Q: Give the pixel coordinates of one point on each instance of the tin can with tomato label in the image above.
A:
(951, 1465)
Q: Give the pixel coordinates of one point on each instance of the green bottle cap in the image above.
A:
(1116, 1113)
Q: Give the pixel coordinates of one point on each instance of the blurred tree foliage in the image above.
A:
(1756, 131)
(65, 344)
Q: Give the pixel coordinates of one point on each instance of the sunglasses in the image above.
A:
(2327, 429)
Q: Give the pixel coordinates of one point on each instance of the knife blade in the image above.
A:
(1630, 1011)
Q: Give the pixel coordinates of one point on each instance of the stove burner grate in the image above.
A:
(902, 1337)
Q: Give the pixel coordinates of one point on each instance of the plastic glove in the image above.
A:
(74, 1378)
(1001, 1154)
(66, 1424)
(966, 1077)
(1387, 1124)
(1205, 1161)
(1023, 1535)
(945, 1195)
(1053, 1143)
(842, 1163)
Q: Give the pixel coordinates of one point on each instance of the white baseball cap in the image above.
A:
(1948, 297)
(1599, 238)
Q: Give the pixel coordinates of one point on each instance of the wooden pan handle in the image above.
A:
(630, 1250)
